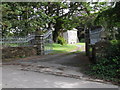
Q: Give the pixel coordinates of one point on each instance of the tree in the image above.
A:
(22, 18)
(110, 19)
(57, 11)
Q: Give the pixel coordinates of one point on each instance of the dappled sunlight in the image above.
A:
(60, 44)
(57, 48)
(28, 79)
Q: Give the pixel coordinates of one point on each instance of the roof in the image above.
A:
(74, 29)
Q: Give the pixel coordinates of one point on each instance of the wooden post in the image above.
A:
(87, 41)
(93, 54)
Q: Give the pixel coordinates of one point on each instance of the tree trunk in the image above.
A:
(55, 35)
(57, 30)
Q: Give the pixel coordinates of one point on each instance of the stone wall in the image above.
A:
(18, 52)
(98, 51)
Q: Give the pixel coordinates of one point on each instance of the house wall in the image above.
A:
(71, 36)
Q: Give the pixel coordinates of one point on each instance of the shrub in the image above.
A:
(82, 40)
(108, 66)
(115, 42)
(61, 40)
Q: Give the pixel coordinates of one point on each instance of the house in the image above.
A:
(71, 36)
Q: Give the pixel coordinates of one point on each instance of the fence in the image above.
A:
(95, 36)
(29, 41)
(47, 37)
(16, 41)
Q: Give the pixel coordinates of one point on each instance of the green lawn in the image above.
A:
(80, 44)
(57, 48)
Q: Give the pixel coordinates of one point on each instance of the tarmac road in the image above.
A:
(13, 77)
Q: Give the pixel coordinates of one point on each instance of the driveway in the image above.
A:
(13, 77)
(50, 71)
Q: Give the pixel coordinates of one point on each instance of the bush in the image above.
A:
(108, 66)
(61, 40)
(82, 40)
(115, 42)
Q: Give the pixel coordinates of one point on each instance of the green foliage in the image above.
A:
(118, 35)
(109, 66)
(113, 50)
(82, 40)
(115, 42)
(22, 18)
(109, 18)
(61, 40)
(69, 24)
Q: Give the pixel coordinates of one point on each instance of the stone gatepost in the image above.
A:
(39, 44)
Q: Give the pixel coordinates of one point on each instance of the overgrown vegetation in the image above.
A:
(108, 67)
(61, 40)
